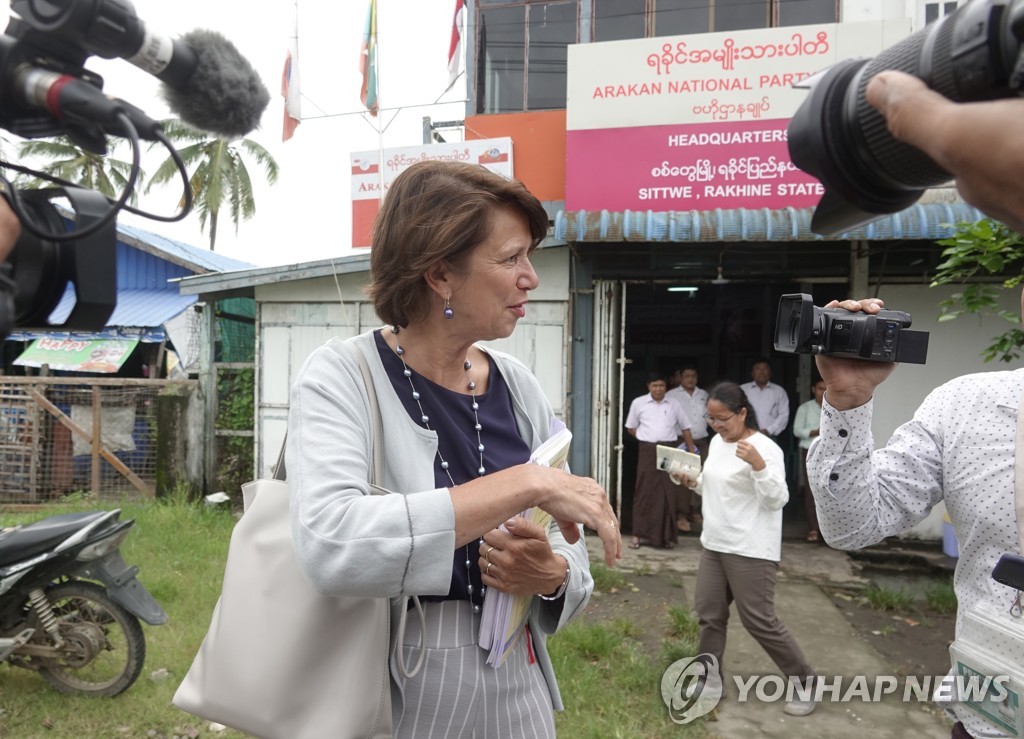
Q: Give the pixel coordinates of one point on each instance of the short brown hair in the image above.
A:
(437, 211)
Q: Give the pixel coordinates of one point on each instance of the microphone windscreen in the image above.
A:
(224, 95)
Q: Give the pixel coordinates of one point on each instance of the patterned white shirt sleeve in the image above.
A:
(959, 447)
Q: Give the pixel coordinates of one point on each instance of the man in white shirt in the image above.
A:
(959, 448)
(968, 425)
(695, 402)
(654, 419)
(769, 401)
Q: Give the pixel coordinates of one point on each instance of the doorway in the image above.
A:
(719, 327)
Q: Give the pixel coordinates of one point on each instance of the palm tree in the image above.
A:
(72, 163)
(219, 173)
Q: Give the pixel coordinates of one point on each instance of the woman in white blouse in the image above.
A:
(743, 489)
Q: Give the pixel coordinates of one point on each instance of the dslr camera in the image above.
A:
(836, 136)
(803, 328)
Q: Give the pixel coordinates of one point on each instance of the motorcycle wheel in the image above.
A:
(104, 647)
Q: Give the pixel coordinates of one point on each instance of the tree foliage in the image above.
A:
(976, 251)
(218, 175)
(71, 163)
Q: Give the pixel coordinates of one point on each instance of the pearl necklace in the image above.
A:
(425, 419)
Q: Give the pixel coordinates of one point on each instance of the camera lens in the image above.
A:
(840, 139)
(41, 268)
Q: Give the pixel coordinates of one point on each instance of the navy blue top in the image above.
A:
(451, 417)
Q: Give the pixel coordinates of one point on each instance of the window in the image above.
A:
(501, 60)
(934, 11)
(680, 17)
(805, 12)
(619, 19)
(737, 15)
(522, 55)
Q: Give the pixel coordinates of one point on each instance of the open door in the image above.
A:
(609, 332)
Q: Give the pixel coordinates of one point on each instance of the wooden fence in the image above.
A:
(62, 435)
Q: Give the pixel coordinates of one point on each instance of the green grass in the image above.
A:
(180, 550)
(887, 599)
(941, 597)
(607, 580)
(683, 622)
(609, 684)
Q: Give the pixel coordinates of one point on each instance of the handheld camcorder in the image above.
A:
(803, 328)
(46, 91)
(836, 136)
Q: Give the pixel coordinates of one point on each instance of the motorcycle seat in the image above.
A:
(35, 538)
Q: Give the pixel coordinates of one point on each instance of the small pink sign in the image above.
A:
(699, 166)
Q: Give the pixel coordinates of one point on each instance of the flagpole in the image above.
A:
(380, 109)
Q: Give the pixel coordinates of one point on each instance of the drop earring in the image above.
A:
(448, 312)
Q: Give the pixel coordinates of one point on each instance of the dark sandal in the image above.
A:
(812, 536)
(635, 543)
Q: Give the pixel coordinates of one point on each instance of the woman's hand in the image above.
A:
(521, 561)
(571, 500)
(681, 478)
(749, 454)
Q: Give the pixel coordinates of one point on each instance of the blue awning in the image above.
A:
(927, 221)
(139, 314)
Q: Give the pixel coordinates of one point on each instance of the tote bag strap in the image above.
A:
(377, 470)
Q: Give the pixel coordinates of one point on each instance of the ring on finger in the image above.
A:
(489, 566)
(487, 554)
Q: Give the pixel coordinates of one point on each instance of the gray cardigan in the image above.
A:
(349, 542)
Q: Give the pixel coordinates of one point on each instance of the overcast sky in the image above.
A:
(307, 214)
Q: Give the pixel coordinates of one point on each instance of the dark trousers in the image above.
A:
(724, 578)
(654, 499)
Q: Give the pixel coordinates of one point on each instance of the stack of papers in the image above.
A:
(504, 615)
(678, 461)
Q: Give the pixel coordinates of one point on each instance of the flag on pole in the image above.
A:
(368, 60)
(290, 82)
(290, 93)
(455, 48)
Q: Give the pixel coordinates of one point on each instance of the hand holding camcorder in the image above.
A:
(803, 328)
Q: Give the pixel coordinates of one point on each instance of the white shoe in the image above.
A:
(709, 686)
(799, 707)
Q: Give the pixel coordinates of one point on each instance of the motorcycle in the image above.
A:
(70, 605)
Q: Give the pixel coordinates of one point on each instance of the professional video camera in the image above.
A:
(46, 91)
(803, 328)
(971, 54)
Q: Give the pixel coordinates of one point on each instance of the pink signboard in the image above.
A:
(699, 122)
(368, 178)
(697, 166)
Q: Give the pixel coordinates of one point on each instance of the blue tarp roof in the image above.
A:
(196, 259)
(145, 297)
(929, 221)
(139, 314)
